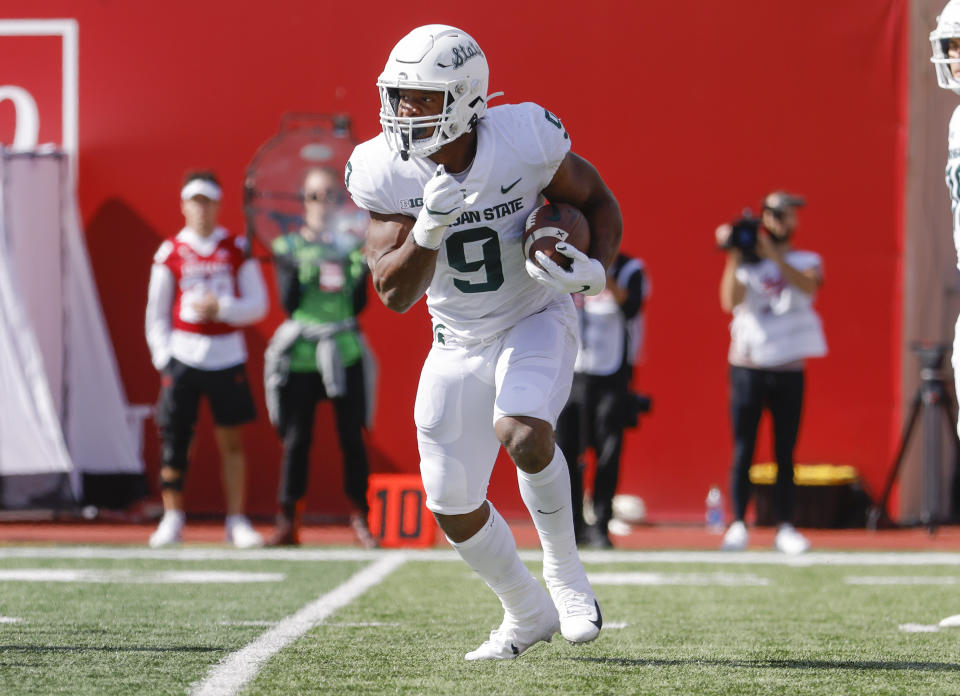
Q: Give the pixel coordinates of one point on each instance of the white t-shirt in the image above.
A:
(953, 176)
(775, 324)
(480, 287)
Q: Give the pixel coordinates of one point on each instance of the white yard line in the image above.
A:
(177, 577)
(918, 628)
(189, 553)
(900, 580)
(230, 675)
(817, 558)
(694, 579)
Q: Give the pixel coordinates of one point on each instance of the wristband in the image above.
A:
(426, 233)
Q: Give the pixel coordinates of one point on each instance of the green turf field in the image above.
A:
(122, 621)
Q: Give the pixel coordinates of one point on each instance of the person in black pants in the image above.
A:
(769, 288)
(319, 352)
(601, 405)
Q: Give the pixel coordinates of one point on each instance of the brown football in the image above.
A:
(552, 223)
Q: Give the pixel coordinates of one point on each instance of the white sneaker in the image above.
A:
(169, 529)
(241, 534)
(736, 537)
(789, 540)
(511, 640)
(580, 617)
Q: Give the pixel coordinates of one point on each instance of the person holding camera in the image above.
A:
(601, 404)
(769, 287)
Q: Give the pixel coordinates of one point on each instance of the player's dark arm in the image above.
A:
(578, 183)
(401, 269)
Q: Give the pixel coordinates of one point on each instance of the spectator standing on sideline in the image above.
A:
(449, 186)
(770, 291)
(203, 288)
(318, 353)
(601, 404)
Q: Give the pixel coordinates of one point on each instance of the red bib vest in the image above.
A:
(196, 275)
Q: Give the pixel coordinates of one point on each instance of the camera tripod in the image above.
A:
(933, 399)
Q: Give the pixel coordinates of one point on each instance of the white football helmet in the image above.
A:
(948, 27)
(439, 58)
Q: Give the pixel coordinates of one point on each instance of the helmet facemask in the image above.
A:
(948, 27)
(421, 136)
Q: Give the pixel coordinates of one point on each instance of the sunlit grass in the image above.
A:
(806, 632)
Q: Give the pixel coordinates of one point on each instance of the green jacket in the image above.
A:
(320, 284)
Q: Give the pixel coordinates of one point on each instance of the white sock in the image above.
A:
(547, 497)
(231, 520)
(175, 516)
(492, 553)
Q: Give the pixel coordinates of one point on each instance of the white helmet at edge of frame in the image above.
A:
(948, 27)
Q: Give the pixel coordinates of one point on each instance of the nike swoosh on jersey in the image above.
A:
(544, 512)
(584, 288)
(440, 212)
(505, 189)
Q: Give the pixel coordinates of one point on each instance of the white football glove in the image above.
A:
(585, 275)
(443, 201)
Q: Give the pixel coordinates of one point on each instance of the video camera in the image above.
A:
(743, 236)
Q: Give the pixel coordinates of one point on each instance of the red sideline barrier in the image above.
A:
(398, 511)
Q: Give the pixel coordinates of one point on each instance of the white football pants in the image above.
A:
(466, 388)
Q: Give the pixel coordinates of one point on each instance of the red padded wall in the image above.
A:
(690, 110)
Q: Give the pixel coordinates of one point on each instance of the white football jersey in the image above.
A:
(480, 287)
(953, 176)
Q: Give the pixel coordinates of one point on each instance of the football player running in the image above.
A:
(448, 185)
(945, 41)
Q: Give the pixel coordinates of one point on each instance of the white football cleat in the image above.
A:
(168, 531)
(736, 537)
(789, 540)
(511, 640)
(241, 534)
(580, 617)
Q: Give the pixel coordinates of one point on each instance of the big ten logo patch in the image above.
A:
(38, 84)
(398, 511)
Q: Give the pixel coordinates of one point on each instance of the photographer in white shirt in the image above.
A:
(770, 291)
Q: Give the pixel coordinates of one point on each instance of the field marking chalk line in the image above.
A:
(235, 671)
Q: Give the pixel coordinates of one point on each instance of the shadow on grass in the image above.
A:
(780, 664)
(106, 648)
